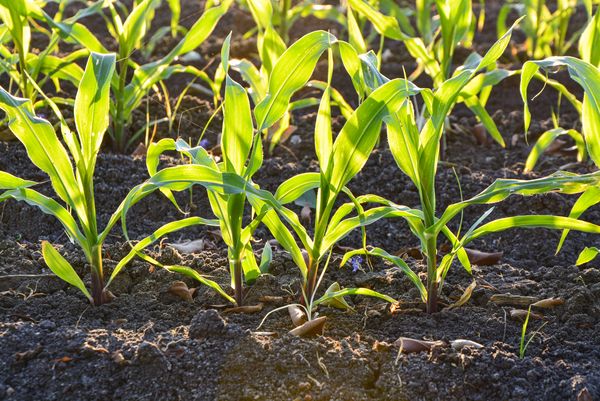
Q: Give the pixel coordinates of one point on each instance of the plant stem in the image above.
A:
(97, 276)
(432, 285)
(311, 281)
(238, 281)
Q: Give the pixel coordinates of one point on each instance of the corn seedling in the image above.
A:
(73, 187)
(242, 155)
(524, 343)
(339, 162)
(132, 82)
(546, 30)
(415, 146)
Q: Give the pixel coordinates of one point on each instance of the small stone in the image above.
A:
(207, 323)
(147, 353)
(47, 324)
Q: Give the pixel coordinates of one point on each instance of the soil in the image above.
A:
(149, 344)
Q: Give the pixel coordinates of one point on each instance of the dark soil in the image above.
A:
(149, 344)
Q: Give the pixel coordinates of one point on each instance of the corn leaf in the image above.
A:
(62, 268)
(291, 73)
(92, 105)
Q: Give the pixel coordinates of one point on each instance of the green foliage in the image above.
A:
(416, 148)
(435, 47)
(74, 187)
(283, 72)
(586, 75)
(28, 70)
(546, 30)
(523, 344)
(132, 82)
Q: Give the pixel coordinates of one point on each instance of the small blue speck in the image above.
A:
(355, 262)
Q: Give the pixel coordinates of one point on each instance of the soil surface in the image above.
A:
(149, 344)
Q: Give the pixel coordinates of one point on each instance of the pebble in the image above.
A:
(47, 324)
(147, 352)
(207, 323)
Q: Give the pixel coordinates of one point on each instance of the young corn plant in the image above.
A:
(339, 162)
(242, 155)
(74, 187)
(434, 50)
(546, 30)
(415, 146)
(587, 76)
(24, 67)
(132, 82)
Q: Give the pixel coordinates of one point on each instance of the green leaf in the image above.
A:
(538, 221)
(135, 26)
(238, 129)
(9, 181)
(296, 186)
(588, 77)
(359, 135)
(48, 206)
(156, 235)
(62, 268)
(503, 188)
(589, 198)
(385, 25)
(546, 140)
(291, 73)
(589, 43)
(44, 149)
(337, 302)
(266, 258)
(587, 255)
(352, 291)
(92, 104)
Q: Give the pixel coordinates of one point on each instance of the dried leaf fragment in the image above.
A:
(513, 300)
(188, 247)
(464, 298)
(481, 258)
(548, 303)
(21, 357)
(381, 346)
(460, 344)
(521, 314)
(411, 345)
(297, 315)
(311, 328)
(119, 359)
(180, 289)
(245, 309)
